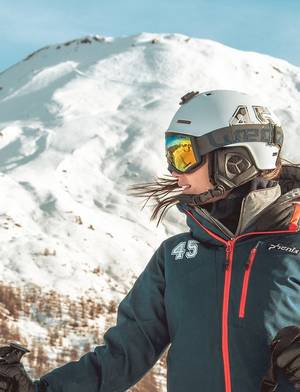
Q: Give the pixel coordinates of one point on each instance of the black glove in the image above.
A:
(289, 362)
(285, 349)
(13, 377)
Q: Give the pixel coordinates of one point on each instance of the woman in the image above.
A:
(219, 293)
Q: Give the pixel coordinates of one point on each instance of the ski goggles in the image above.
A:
(183, 153)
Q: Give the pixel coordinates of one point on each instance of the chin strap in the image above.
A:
(198, 199)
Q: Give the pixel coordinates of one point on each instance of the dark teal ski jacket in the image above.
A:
(215, 298)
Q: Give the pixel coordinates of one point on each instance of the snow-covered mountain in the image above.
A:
(79, 123)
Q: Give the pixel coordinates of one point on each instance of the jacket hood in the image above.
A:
(289, 179)
(284, 211)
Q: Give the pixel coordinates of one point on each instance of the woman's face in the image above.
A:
(196, 182)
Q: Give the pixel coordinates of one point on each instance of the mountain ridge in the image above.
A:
(82, 122)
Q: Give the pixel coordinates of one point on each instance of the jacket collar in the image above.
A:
(262, 209)
(255, 202)
(205, 227)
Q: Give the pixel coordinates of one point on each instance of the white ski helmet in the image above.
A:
(242, 133)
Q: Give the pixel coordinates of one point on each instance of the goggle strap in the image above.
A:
(243, 133)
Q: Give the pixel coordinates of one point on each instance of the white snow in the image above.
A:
(79, 123)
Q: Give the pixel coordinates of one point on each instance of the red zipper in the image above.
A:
(225, 345)
(228, 270)
(248, 268)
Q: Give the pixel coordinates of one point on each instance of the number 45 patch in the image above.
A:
(189, 249)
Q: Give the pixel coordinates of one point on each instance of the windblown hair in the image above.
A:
(274, 173)
(164, 190)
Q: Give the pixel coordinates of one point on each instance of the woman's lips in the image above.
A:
(184, 187)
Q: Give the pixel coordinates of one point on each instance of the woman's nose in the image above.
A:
(175, 174)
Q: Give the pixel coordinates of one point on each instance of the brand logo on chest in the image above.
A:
(284, 248)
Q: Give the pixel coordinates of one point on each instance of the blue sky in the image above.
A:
(266, 26)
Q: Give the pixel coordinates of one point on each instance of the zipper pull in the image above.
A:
(251, 256)
(228, 253)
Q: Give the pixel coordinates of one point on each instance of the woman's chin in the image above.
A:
(189, 190)
(185, 189)
(194, 191)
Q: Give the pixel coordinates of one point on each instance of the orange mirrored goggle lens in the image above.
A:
(179, 152)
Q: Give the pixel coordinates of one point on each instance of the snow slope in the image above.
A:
(83, 120)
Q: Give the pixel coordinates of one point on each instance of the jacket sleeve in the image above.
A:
(130, 348)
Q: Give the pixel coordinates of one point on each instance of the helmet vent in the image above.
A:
(184, 121)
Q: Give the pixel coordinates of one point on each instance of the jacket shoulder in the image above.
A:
(177, 238)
